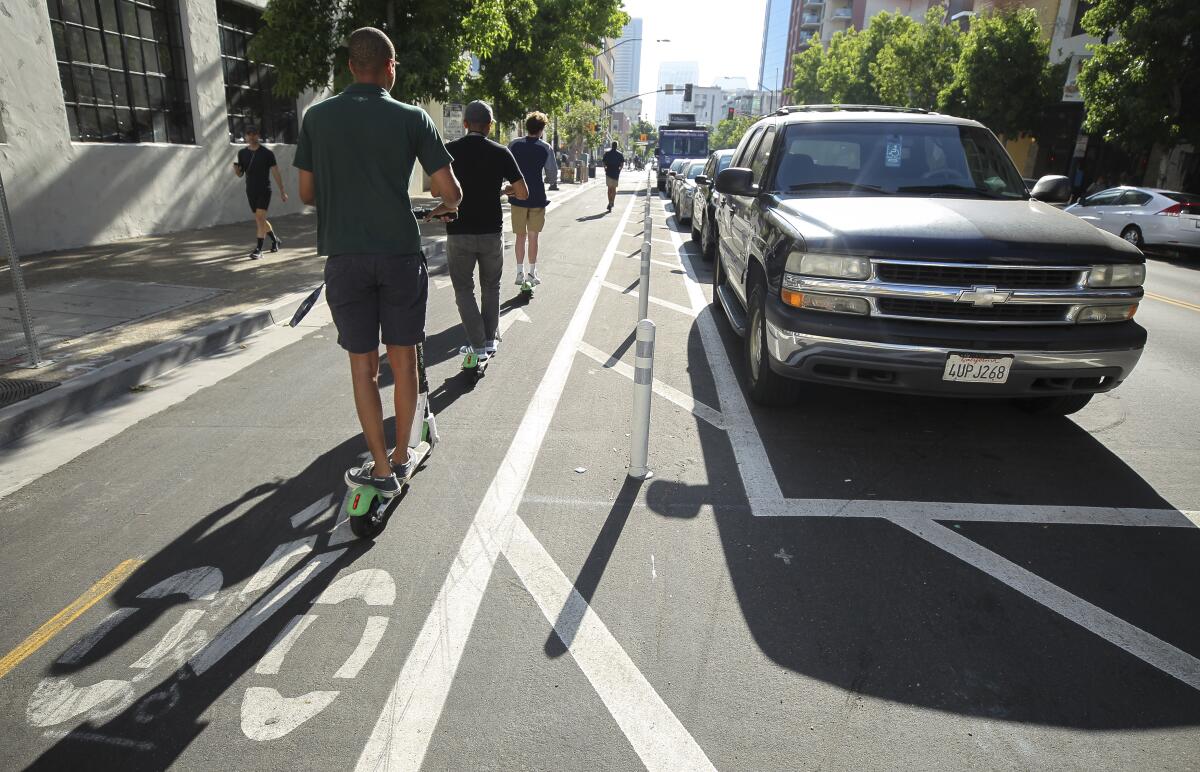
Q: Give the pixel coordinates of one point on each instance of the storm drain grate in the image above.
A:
(13, 390)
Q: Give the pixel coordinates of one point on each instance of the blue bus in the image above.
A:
(679, 138)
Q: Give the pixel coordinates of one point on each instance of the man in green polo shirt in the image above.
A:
(355, 157)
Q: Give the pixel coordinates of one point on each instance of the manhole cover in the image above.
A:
(13, 390)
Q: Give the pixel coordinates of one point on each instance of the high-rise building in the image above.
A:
(773, 64)
(676, 74)
(628, 67)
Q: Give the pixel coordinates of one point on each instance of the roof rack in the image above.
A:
(850, 108)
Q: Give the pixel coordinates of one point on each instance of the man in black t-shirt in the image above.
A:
(256, 163)
(482, 167)
(613, 161)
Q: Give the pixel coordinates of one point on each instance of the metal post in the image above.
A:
(643, 380)
(644, 284)
(14, 265)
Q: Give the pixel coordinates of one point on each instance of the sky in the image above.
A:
(724, 36)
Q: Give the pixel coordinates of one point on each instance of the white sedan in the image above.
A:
(1145, 217)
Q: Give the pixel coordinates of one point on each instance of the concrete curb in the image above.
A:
(88, 391)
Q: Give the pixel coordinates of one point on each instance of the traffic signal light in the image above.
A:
(687, 93)
(729, 115)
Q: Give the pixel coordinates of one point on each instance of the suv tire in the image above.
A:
(1062, 405)
(708, 239)
(766, 386)
(718, 279)
(695, 233)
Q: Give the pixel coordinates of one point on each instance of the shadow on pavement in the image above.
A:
(170, 713)
(874, 609)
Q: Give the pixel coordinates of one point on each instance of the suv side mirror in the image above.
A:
(1053, 189)
(735, 181)
(701, 179)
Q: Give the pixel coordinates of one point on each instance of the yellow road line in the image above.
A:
(1173, 301)
(59, 621)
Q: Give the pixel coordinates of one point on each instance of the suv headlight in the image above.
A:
(1125, 275)
(829, 266)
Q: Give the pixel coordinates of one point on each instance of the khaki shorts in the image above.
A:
(612, 182)
(529, 219)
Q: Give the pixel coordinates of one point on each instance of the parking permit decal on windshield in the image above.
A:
(895, 145)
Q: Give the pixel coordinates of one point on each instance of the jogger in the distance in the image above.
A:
(257, 163)
(355, 156)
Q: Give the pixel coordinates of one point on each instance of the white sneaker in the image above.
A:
(520, 278)
(533, 279)
(491, 346)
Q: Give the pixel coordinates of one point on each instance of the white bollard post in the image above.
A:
(643, 380)
(644, 284)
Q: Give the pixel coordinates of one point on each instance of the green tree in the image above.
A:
(729, 132)
(577, 125)
(1003, 78)
(806, 83)
(306, 40)
(546, 62)
(642, 127)
(916, 63)
(1134, 86)
(844, 74)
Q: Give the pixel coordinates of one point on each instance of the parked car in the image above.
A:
(704, 203)
(685, 186)
(673, 170)
(1145, 217)
(898, 250)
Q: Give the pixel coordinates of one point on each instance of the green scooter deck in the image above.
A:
(368, 509)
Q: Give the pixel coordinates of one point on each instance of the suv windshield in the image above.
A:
(868, 158)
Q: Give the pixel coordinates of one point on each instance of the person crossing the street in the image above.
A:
(535, 157)
(476, 239)
(614, 161)
(257, 164)
(355, 156)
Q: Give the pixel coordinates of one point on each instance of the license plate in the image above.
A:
(977, 368)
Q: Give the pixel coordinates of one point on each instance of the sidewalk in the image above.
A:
(140, 307)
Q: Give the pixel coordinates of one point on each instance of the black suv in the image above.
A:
(893, 249)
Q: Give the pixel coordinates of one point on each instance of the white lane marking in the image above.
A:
(441, 283)
(1117, 631)
(272, 661)
(96, 737)
(171, 639)
(197, 583)
(372, 635)
(753, 463)
(373, 585)
(653, 570)
(658, 737)
(318, 507)
(50, 448)
(406, 724)
(57, 700)
(684, 400)
(633, 293)
(80, 648)
(510, 318)
(920, 511)
(260, 612)
(268, 715)
(279, 559)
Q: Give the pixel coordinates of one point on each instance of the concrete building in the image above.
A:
(677, 74)
(115, 127)
(708, 104)
(604, 70)
(773, 63)
(628, 67)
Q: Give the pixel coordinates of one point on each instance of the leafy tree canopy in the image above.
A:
(1003, 78)
(533, 54)
(916, 62)
(1135, 85)
(729, 132)
(844, 75)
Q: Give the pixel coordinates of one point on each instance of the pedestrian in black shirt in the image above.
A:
(257, 164)
(474, 239)
(613, 162)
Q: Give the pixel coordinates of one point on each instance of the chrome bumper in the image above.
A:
(919, 369)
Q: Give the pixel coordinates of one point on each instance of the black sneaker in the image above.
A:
(388, 487)
(404, 471)
(275, 245)
(256, 254)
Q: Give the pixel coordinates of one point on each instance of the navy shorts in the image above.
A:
(375, 297)
(259, 199)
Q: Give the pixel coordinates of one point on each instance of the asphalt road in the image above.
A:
(860, 582)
